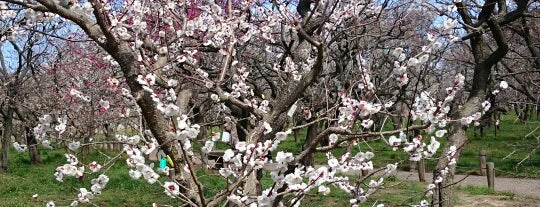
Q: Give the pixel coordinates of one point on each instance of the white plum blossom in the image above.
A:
(172, 83)
(133, 140)
(282, 136)
(148, 80)
(333, 162)
(394, 142)
(284, 157)
(225, 172)
(228, 155)
(71, 159)
(149, 147)
(61, 127)
(134, 174)
(99, 183)
(214, 97)
(486, 105)
(451, 155)
(19, 147)
(208, 146)
(440, 133)
(432, 147)
(84, 195)
(94, 166)
(503, 85)
(438, 179)
(413, 62)
(332, 139)
(324, 190)
(367, 123)
(171, 189)
(170, 110)
(466, 120)
(391, 168)
(104, 105)
(267, 128)
(241, 146)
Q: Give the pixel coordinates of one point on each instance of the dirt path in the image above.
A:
(529, 188)
(526, 191)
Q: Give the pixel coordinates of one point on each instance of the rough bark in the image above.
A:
(157, 124)
(6, 137)
(484, 62)
(312, 132)
(33, 150)
(457, 137)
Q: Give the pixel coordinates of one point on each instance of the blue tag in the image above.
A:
(162, 163)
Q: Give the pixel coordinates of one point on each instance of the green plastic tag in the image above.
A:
(162, 163)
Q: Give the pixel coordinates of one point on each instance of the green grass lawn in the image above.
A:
(510, 144)
(24, 180)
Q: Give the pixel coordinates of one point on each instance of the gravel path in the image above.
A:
(519, 186)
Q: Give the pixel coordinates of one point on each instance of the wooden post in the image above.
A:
(421, 170)
(171, 173)
(491, 175)
(412, 166)
(482, 155)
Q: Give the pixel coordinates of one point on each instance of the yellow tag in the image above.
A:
(169, 161)
(263, 97)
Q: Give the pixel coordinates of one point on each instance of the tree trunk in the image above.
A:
(458, 138)
(8, 129)
(31, 141)
(157, 124)
(312, 132)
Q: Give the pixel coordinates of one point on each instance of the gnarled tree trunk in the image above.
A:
(33, 150)
(8, 127)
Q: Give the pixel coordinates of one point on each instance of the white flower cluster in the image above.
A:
(104, 105)
(40, 131)
(19, 147)
(165, 101)
(292, 69)
(427, 109)
(240, 88)
(352, 108)
(365, 79)
(417, 148)
(303, 179)
(171, 189)
(451, 155)
(252, 156)
(62, 123)
(70, 169)
(147, 81)
(99, 183)
(136, 161)
(75, 93)
(44, 124)
(94, 166)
